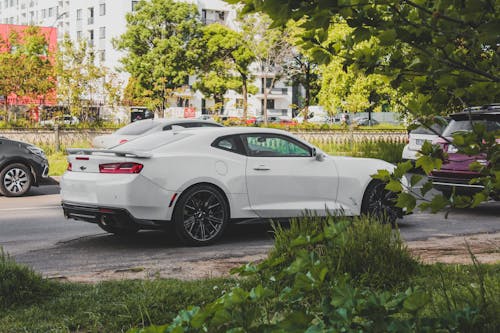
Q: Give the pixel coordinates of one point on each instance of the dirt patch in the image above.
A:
(449, 250)
(455, 250)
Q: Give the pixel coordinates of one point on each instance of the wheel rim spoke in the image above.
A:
(203, 215)
(15, 180)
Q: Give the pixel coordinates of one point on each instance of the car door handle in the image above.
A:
(261, 168)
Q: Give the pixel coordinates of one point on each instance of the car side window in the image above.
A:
(270, 145)
(230, 143)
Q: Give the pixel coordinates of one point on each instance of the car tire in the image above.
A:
(380, 203)
(15, 180)
(119, 231)
(201, 215)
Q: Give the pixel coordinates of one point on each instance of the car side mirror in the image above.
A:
(319, 156)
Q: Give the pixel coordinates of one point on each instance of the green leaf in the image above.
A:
(394, 186)
(406, 200)
(415, 179)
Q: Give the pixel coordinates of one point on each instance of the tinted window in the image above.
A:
(137, 128)
(466, 125)
(230, 143)
(424, 130)
(269, 145)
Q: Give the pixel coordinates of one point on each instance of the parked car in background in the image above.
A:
(22, 165)
(418, 136)
(61, 120)
(145, 127)
(199, 181)
(364, 121)
(455, 173)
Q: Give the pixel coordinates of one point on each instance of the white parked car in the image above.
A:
(64, 120)
(145, 127)
(201, 180)
(417, 137)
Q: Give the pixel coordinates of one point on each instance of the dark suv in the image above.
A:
(455, 171)
(22, 165)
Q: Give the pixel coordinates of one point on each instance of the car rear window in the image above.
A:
(424, 130)
(137, 128)
(466, 125)
(152, 141)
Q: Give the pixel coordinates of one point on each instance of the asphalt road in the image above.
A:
(34, 231)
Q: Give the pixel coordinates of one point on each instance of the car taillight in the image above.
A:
(126, 167)
(70, 167)
(122, 141)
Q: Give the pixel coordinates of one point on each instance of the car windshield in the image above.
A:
(137, 128)
(438, 129)
(152, 141)
(466, 125)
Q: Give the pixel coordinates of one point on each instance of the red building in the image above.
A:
(12, 99)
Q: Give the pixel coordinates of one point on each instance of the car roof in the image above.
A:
(178, 121)
(488, 110)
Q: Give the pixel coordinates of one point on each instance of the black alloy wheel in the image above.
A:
(380, 203)
(201, 215)
(15, 180)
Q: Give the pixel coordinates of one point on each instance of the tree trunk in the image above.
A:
(244, 92)
(307, 87)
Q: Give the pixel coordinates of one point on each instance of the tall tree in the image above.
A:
(156, 43)
(26, 67)
(271, 48)
(225, 63)
(444, 52)
(81, 80)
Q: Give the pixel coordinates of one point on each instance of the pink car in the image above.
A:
(455, 171)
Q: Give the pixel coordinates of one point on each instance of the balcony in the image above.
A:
(274, 93)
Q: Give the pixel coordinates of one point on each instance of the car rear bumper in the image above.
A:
(446, 181)
(120, 217)
(138, 195)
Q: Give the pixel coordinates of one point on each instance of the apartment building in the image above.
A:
(99, 21)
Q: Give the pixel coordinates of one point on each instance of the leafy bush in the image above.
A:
(368, 251)
(387, 151)
(20, 284)
(299, 290)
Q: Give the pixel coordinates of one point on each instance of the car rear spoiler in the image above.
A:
(91, 151)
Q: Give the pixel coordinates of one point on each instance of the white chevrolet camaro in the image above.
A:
(202, 179)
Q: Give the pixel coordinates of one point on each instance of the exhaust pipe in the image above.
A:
(107, 220)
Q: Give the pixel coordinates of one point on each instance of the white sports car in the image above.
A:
(201, 180)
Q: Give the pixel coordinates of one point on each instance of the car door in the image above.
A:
(284, 178)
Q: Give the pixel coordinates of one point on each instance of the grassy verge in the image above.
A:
(323, 274)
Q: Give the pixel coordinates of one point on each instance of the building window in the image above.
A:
(102, 32)
(239, 103)
(78, 35)
(91, 15)
(51, 11)
(78, 14)
(134, 5)
(102, 55)
(44, 13)
(91, 38)
(102, 9)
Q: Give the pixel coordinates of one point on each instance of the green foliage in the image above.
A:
(80, 77)
(20, 284)
(158, 44)
(313, 282)
(387, 151)
(26, 68)
(224, 64)
(443, 52)
(368, 251)
(113, 306)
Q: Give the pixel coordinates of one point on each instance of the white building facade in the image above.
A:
(100, 21)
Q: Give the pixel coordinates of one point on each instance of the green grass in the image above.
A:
(387, 151)
(109, 306)
(58, 162)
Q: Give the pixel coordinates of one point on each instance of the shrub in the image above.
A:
(20, 284)
(368, 251)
